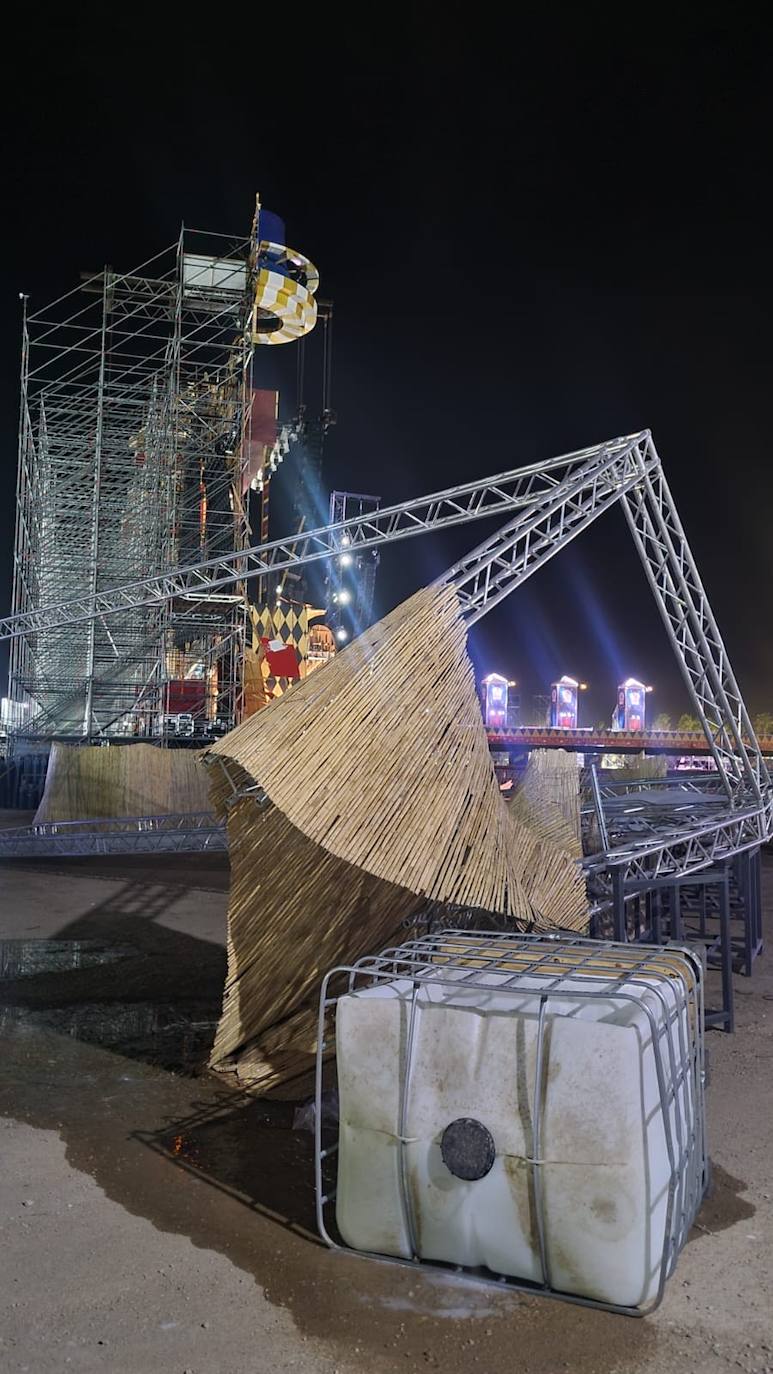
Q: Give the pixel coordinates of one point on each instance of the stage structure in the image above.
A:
(136, 454)
(547, 505)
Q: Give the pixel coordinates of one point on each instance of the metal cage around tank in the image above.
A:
(508, 962)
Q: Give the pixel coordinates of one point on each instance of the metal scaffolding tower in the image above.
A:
(132, 459)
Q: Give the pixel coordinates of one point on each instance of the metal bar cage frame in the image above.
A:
(418, 960)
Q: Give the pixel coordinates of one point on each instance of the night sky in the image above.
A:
(534, 241)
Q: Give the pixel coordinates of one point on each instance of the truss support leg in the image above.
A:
(657, 923)
(727, 952)
(618, 904)
(677, 924)
(673, 576)
(758, 899)
(747, 867)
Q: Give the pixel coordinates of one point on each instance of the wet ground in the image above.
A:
(153, 1219)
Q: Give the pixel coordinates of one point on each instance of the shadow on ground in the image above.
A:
(108, 1029)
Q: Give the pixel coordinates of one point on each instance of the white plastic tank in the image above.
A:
(530, 1106)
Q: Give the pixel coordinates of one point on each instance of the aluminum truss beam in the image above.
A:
(688, 850)
(743, 813)
(555, 502)
(167, 834)
(632, 474)
(673, 576)
(458, 505)
(555, 517)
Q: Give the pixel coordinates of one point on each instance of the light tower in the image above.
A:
(630, 712)
(495, 703)
(563, 703)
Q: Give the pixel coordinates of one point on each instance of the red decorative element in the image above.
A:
(282, 662)
(261, 430)
(186, 696)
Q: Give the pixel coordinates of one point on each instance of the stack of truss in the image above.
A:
(548, 797)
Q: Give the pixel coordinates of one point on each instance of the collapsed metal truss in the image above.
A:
(489, 496)
(550, 521)
(670, 567)
(132, 451)
(648, 829)
(554, 502)
(678, 849)
(680, 837)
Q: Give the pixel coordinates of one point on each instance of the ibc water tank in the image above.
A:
(527, 1106)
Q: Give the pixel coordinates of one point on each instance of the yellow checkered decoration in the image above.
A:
(289, 301)
(288, 621)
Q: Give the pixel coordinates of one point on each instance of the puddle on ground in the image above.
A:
(158, 1034)
(124, 1084)
(27, 958)
(723, 1206)
(167, 1034)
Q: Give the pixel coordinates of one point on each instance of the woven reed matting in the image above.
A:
(381, 795)
(548, 798)
(653, 766)
(294, 912)
(86, 782)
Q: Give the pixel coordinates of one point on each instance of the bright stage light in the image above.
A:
(346, 560)
(341, 634)
(344, 597)
(346, 540)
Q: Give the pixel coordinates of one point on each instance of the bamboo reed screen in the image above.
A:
(549, 797)
(86, 782)
(379, 795)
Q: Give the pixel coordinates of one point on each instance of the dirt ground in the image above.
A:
(155, 1222)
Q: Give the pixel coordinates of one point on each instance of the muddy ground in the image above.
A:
(156, 1222)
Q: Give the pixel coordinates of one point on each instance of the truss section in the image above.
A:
(195, 832)
(692, 629)
(679, 849)
(551, 520)
(549, 505)
(490, 496)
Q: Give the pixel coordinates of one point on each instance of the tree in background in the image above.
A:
(689, 724)
(662, 721)
(763, 723)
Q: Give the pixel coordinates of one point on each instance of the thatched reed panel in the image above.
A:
(549, 796)
(255, 697)
(645, 766)
(632, 767)
(380, 795)
(294, 911)
(85, 782)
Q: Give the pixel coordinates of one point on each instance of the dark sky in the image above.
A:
(534, 240)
